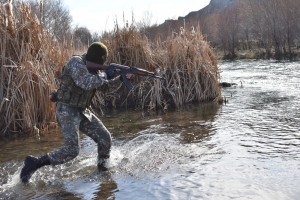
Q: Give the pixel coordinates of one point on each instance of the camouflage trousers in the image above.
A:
(73, 120)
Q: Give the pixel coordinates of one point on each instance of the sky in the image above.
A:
(99, 15)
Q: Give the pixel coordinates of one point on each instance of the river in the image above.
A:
(248, 148)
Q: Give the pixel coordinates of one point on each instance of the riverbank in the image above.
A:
(257, 54)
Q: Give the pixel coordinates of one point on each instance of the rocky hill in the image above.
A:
(212, 7)
(234, 26)
(191, 19)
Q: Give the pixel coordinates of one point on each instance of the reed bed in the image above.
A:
(31, 62)
(128, 47)
(185, 60)
(191, 69)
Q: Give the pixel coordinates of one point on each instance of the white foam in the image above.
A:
(13, 180)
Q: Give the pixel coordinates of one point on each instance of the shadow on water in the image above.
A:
(143, 144)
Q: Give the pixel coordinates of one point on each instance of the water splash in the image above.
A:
(248, 148)
(10, 180)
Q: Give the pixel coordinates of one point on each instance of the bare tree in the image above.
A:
(290, 13)
(256, 20)
(146, 21)
(273, 25)
(96, 37)
(228, 27)
(246, 25)
(54, 16)
(82, 36)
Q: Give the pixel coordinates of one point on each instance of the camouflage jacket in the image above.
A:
(78, 85)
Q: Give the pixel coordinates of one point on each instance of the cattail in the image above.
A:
(33, 60)
(41, 10)
(10, 25)
(8, 9)
(30, 63)
(187, 62)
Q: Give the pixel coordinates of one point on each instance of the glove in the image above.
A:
(110, 74)
(53, 96)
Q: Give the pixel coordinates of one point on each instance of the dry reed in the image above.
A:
(185, 59)
(31, 60)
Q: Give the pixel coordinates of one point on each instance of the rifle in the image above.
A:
(123, 70)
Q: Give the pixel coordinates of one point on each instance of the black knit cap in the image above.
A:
(95, 53)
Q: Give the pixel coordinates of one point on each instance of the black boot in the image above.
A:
(101, 165)
(31, 164)
(102, 157)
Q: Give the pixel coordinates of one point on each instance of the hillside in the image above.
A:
(212, 7)
(191, 19)
(267, 28)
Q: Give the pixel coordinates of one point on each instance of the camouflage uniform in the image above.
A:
(74, 118)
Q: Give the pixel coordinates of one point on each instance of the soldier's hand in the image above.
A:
(110, 73)
(128, 76)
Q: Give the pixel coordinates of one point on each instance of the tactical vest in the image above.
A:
(69, 93)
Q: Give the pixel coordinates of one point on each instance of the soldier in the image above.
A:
(74, 96)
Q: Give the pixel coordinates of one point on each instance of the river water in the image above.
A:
(248, 148)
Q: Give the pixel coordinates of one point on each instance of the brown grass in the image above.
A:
(185, 59)
(31, 60)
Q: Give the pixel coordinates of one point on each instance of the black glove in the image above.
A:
(110, 73)
(53, 96)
